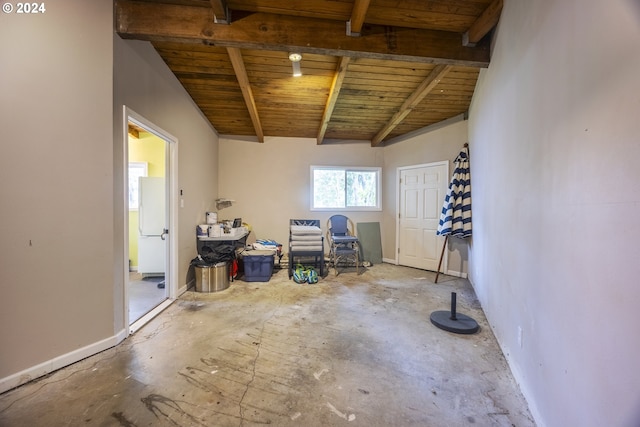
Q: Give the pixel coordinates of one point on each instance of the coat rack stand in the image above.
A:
(444, 247)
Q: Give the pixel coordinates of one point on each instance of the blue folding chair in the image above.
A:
(344, 246)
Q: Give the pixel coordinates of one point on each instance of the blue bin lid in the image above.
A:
(258, 253)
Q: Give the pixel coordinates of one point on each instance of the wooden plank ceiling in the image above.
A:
(372, 70)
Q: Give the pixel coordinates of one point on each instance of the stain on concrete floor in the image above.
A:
(356, 350)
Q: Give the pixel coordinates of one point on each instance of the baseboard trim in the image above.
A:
(456, 274)
(190, 284)
(448, 272)
(29, 374)
(135, 326)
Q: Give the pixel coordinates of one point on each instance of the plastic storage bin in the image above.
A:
(212, 278)
(258, 265)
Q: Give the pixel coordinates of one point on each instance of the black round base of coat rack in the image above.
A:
(454, 322)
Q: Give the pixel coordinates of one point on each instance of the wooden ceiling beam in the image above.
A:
(134, 131)
(262, 31)
(220, 12)
(423, 90)
(336, 85)
(360, 8)
(241, 73)
(483, 24)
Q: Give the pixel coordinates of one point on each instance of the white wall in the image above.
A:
(553, 129)
(439, 142)
(56, 185)
(64, 78)
(270, 181)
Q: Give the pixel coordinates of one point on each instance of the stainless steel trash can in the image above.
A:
(212, 278)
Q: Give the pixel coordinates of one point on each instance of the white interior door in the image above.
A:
(421, 193)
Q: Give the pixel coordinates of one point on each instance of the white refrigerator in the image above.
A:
(152, 226)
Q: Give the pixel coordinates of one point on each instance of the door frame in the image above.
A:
(399, 171)
(171, 159)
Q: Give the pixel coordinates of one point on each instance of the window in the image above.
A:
(136, 170)
(350, 189)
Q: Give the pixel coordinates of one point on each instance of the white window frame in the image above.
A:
(136, 170)
(377, 207)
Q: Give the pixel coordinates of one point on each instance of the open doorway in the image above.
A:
(150, 214)
(147, 221)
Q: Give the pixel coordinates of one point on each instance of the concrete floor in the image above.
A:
(144, 295)
(350, 350)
